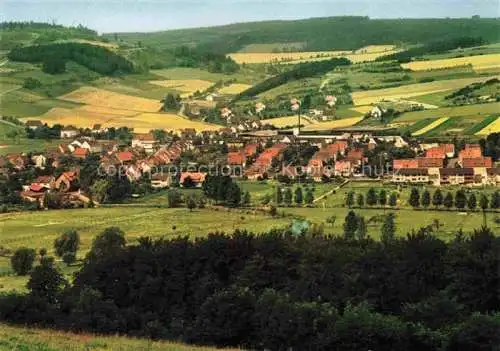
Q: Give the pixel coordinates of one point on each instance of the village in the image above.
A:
(163, 160)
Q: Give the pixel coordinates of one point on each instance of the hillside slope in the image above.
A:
(340, 33)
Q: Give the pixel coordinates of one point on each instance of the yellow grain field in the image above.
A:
(186, 86)
(265, 57)
(234, 89)
(431, 126)
(480, 62)
(144, 122)
(493, 127)
(91, 42)
(340, 123)
(104, 98)
(362, 109)
(367, 97)
(289, 121)
(370, 49)
(83, 116)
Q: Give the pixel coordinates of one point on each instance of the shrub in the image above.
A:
(22, 260)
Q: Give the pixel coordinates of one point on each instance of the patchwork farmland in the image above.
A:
(430, 126)
(186, 86)
(482, 62)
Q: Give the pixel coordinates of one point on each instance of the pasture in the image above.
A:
(29, 338)
(368, 97)
(480, 62)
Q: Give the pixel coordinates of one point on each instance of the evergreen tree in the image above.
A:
(426, 198)
(362, 229)
(288, 198)
(460, 199)
(382, 197)
(388, 229)
(495, 200)
(448, 200)
(371, 197)
(360, 200)
(472, 202)
(233, 195)
(437, 198)
(22, 260)
(483, 202)
(278, 195)
(393, 199)
(247, 200)
(349, 201)
(298, 195)
(309, 199)
(414, 200)
(350, 225)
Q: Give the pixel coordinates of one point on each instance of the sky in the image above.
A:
(153, 15)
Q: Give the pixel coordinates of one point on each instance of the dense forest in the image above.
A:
(95, 58)
(275, 291)
(153, 58)
(302, 70)
(341, 33)
(434, 47)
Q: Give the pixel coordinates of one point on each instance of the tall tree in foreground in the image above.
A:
(298, 195)
(472, 202)
(278, 195)
(460, 199)
(414, 199)
(309, 198)
(388, 230)
(66, 246)
(371, 197)
(362, 229)
(382, 197)
(288, 197)
(495, 200)
(22, 260)
(360, 200)
(437, 198)
(426, 198)
(448, 200)
(393, 199)
(349, 201)
(350, 225)
(46, 282)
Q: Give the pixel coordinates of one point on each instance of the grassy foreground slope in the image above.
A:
(18, 338)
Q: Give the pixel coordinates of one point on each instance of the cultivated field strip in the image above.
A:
(373, 96)
(431, 126)
(186, 86)
(493, 127)
(234, 88)
(340, 123)
(480, 62)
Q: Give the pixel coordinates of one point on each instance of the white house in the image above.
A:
(69, 132)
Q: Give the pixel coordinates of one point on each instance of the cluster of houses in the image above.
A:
(259, 158)
(440, 165)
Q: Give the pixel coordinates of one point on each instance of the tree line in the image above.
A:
(54, 57)
(417, 199)
(300, 71)
(274, 291)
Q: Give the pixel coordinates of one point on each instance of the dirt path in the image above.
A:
(331, 191)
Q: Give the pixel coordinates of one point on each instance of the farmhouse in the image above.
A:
(68, 180)
(39, 160)
(411, 175)
(456, 176)
(69, 132)
(145, 141)
(34, 124)
(161, 181)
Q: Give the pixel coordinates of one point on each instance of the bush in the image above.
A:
(22, 260)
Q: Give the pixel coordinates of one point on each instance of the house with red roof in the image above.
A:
(145, 141)
(125, 157)
(236, 158)
(477, 162)
(427, 162)
(68, 180)
(470, 151)
(343, 168)
(80, 152)
(355, 156)
(405, 163)
(196, 177)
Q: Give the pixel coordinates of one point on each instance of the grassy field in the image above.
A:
(412, 90)
(456, 111)
(272, 47)
(24, 338)
(244, 75)
(479, 62)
